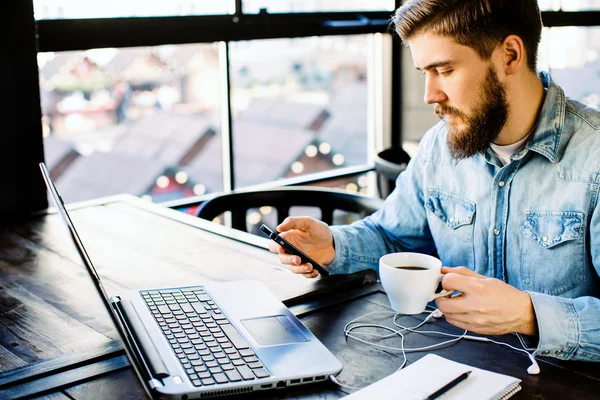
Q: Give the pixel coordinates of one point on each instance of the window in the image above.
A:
(134, 120)
(255, 100)
(279, 6)
(245, 66)
(72, 9)
(572, 56)
(417, 117)
(569, 5)
(299, 106)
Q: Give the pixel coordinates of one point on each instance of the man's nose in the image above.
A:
(433, 93)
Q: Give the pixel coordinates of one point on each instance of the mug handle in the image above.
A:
(443, 293)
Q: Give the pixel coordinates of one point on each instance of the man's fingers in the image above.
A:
(452, 305)
(462, 271)
(311, 275)
(462, 283)
(275, 248)
(300, 223)
(305, 269)
(289, 259)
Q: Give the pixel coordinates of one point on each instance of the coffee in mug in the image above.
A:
(410, 280)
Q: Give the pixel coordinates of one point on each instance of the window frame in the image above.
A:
(83, 34)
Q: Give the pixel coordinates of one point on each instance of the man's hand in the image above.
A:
(487, 306)
(311, 236)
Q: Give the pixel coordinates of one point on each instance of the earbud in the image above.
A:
(434, 314)
(534, 368)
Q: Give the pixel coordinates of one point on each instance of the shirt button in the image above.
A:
(545, 238)
(496, 232)
(451, 219)
(559, 352)
(501, 183)
(545, 352)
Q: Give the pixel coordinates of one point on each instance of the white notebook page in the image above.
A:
(430, 373)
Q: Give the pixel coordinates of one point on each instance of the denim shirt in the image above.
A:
(533, 223)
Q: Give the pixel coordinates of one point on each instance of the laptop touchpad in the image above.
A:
(273, 331)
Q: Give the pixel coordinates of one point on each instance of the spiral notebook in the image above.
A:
(430, 373)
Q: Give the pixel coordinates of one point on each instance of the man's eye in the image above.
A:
(445, 73)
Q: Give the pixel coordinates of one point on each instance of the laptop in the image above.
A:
(209, 340)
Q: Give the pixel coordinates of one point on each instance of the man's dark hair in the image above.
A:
(479, 24)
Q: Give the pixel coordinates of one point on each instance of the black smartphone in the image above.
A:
(290, 248)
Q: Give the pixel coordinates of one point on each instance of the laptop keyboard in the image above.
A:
(209, 348)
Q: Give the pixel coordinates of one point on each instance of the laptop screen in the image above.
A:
(135, 361)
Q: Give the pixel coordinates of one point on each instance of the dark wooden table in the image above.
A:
(57, 340)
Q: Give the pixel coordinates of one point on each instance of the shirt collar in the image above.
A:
(547, 134)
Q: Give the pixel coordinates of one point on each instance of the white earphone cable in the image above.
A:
(350, 331)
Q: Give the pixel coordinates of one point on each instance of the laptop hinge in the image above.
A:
(140, 342)
(154, 383)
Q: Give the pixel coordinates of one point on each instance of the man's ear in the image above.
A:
(513, 54)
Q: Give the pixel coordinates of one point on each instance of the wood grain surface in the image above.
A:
(57, 340)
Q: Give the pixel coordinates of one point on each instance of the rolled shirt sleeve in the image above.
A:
(568, 329)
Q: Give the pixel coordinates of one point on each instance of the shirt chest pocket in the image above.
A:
(450, 215)
(552, 251)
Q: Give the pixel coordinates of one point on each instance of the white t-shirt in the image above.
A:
(505, 152)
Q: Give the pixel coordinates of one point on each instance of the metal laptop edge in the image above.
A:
(157, 366)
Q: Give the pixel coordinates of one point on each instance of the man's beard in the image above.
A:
(485, 123)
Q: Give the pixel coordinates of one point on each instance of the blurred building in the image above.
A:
(293, 114)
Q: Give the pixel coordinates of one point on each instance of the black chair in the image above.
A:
(283, 199)
(388, 164)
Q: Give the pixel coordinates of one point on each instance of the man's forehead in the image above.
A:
(431, 50)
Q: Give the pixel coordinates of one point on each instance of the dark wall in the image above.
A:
(22, 190)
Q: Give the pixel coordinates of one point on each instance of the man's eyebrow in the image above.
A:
(434, 65)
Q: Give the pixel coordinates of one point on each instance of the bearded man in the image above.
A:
(505, 188)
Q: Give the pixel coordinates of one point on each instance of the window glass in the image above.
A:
(285, 6)
(72, 9)
(299, 106)
(142, 121)
(569, 5)
(572, 56)
(417, 117)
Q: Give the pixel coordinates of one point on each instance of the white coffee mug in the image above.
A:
(409, 290)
